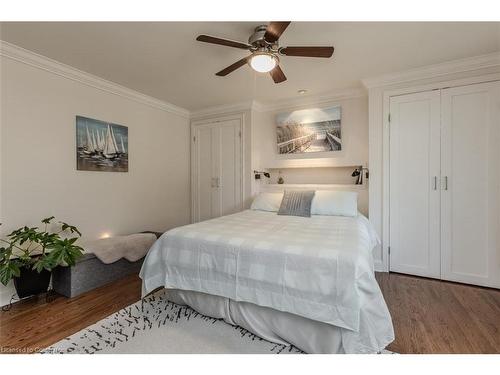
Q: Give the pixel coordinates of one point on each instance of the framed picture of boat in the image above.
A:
(101, 146)
(309, 130)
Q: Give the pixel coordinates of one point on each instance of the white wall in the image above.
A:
(317, 168)
(38, 176)
(320, 168)
(318, 175)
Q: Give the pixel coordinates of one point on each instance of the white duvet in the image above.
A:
(320, 267)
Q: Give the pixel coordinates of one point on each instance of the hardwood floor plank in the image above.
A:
(429, 316)
(482, 322)
(433, 316)
(36, 324)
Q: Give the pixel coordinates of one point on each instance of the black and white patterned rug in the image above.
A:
(156, 325)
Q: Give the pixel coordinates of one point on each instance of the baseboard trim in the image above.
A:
(6, 293)
(379, 266)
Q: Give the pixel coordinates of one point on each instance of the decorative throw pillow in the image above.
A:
(296, 203)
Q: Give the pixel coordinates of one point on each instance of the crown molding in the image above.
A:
(469, 64)
(333, 96)
(279, 104)
(258, 106)
(224, 109)
(25, 56)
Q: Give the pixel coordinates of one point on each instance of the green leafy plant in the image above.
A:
(39, 249)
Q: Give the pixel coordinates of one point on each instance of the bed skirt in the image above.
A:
(276, 326)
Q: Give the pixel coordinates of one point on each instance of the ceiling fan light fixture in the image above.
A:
(263, 62)
(265, 50)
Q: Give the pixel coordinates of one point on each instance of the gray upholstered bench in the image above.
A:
(90, 273)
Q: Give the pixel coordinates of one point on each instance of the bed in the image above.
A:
(306, 281)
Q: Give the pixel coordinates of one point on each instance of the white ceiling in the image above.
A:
(165, 61)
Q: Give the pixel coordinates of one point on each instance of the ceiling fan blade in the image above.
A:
(277, 74)
(222, 42)
(274, 31)
(233, 67)
(307, 51)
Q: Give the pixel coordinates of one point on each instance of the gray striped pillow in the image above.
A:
(296, 203)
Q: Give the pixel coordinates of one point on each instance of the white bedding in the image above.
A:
(320, 268)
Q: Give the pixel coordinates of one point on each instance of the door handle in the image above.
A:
(445, 182)
(215, 182)
(435, 182)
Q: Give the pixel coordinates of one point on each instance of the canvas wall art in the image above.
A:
(101, 146)
(309, 130)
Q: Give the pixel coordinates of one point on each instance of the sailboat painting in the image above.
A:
(101, 146)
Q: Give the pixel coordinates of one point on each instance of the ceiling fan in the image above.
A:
(265, 49)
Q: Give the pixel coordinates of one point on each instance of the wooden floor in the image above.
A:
(432, 316)
(429, 316)
(34, 324)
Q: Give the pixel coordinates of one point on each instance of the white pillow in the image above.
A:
(267, 202)
(335, 203)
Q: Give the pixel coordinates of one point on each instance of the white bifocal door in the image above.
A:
(470, 200)
(414, 184)
(217, 169)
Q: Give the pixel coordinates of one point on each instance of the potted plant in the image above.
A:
(30, 254)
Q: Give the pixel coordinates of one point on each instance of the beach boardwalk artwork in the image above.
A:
(309, 130)
(101, 146)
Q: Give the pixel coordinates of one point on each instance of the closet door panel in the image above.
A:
(470, 195)
(215, 170)
(217, 163)
(203, 173)
(230, 168)
(414, 194)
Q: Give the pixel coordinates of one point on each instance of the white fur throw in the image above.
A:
(132, 247)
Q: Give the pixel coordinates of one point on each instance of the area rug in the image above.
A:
(156, 325)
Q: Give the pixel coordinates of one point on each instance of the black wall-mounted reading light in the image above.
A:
(257, 174)
(358, 172)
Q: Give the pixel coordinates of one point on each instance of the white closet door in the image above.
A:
(470, 243)
(414, 192)
(229, 174)
(205, 198)
(217, 169)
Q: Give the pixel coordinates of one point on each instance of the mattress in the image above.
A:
(319, 268)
